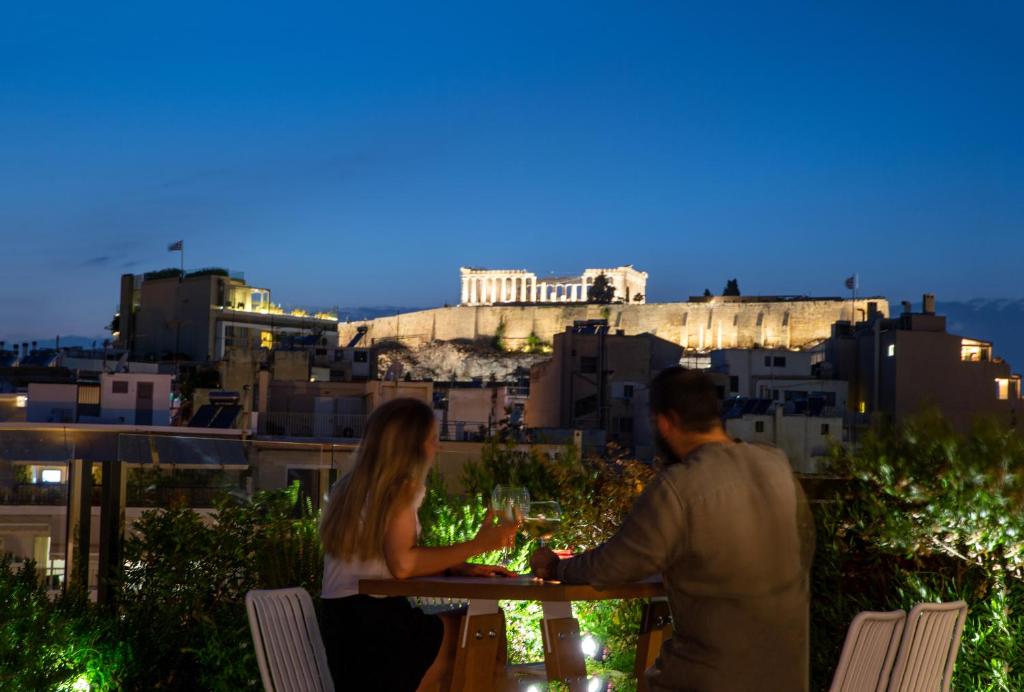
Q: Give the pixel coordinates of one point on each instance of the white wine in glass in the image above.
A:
(507, 501)
(543, 520)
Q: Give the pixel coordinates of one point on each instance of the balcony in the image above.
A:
(34, 494)
(319, 425)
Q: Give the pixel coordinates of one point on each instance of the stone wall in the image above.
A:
(700, 326)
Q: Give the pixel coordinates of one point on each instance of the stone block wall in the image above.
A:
(696, 326)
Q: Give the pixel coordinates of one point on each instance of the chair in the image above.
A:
(929, 647)
(869, 652)
(289, 649)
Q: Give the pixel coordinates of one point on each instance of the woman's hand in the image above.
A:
(468, 569)
(497, 536)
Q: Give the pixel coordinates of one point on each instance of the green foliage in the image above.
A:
(594, 494)
(207, 271)
(601, 291)
(162, 274)
(186, 578)
(930, 515)
(499, 336)
(54, 644)
(534, 344)
(732, 288)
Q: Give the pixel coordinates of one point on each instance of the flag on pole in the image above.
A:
(176, 246)
(852, 283)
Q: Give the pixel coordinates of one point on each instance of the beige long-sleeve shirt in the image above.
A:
(729, 531)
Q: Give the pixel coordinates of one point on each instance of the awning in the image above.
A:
(36, 446)
(182, 451)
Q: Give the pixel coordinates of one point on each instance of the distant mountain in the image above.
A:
(1000, 321)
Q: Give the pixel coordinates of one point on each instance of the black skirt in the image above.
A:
(378, 643)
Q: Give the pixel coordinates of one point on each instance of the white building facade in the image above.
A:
(504, 286)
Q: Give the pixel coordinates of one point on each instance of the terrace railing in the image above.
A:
(311, 425)
(34, 494)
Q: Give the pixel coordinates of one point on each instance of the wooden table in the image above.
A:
(482, 633)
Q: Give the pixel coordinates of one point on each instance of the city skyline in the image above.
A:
(346, 156)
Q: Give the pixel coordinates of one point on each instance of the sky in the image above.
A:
(358, 154)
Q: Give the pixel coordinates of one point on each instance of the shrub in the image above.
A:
(64, 644)
(929, 515)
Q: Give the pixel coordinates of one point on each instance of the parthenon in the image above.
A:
(502, 286)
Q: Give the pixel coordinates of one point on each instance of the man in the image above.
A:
(726, 525)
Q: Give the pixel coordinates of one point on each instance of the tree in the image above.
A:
(601, 291)
(707, 293)
(732, 288)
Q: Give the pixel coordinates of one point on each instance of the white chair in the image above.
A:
(869, 652)
(289, 649)
(929, 647)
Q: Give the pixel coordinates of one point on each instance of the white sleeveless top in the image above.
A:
(341, 577)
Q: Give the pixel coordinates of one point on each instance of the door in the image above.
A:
(144, 403)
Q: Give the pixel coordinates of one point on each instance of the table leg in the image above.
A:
(655, 628)
(563, 657)
(480, 634)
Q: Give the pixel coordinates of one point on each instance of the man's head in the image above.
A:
(686, 411)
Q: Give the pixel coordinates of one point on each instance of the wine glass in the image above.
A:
(542, 520)
(507, 501)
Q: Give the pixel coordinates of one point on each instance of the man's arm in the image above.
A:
(652, 532)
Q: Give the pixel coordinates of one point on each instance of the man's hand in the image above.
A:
(468, 569)
(544, 563)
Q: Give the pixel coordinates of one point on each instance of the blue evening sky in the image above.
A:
(357, 154)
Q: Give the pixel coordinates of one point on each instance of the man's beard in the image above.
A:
(664, 456)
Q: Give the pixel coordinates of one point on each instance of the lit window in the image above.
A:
(266, 340)
(1002, 388)
(892, 350)
(50, 476)
(21, 401)
(862, 407)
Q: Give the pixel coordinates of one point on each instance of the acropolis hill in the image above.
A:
(699, 324)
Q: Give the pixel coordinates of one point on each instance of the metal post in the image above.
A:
(79, 525)
(111, 530)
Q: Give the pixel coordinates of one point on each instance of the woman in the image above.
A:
(369, 531)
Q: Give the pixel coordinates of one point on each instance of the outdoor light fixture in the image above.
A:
(589, 646)
(21, 401)
(596, 684)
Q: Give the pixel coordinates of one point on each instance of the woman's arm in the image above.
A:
(406, 559)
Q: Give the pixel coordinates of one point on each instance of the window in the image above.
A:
(824, 428)
(767, 361)
(759, 426)
(785, 320)
(1002, 388)
(50, 476)
(735, 319)
(734, 383)
(585, 406)
(686, 318)
(626, 425)
(760, 319)
(321, 351)
(710, 315)
(627, 392)
(119, 387)
(891, 351)
(89, 395)
(779, 361)
(588, 364)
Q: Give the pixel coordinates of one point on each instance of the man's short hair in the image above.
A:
(688, 397)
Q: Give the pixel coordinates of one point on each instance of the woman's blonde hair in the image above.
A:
(391, 463)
